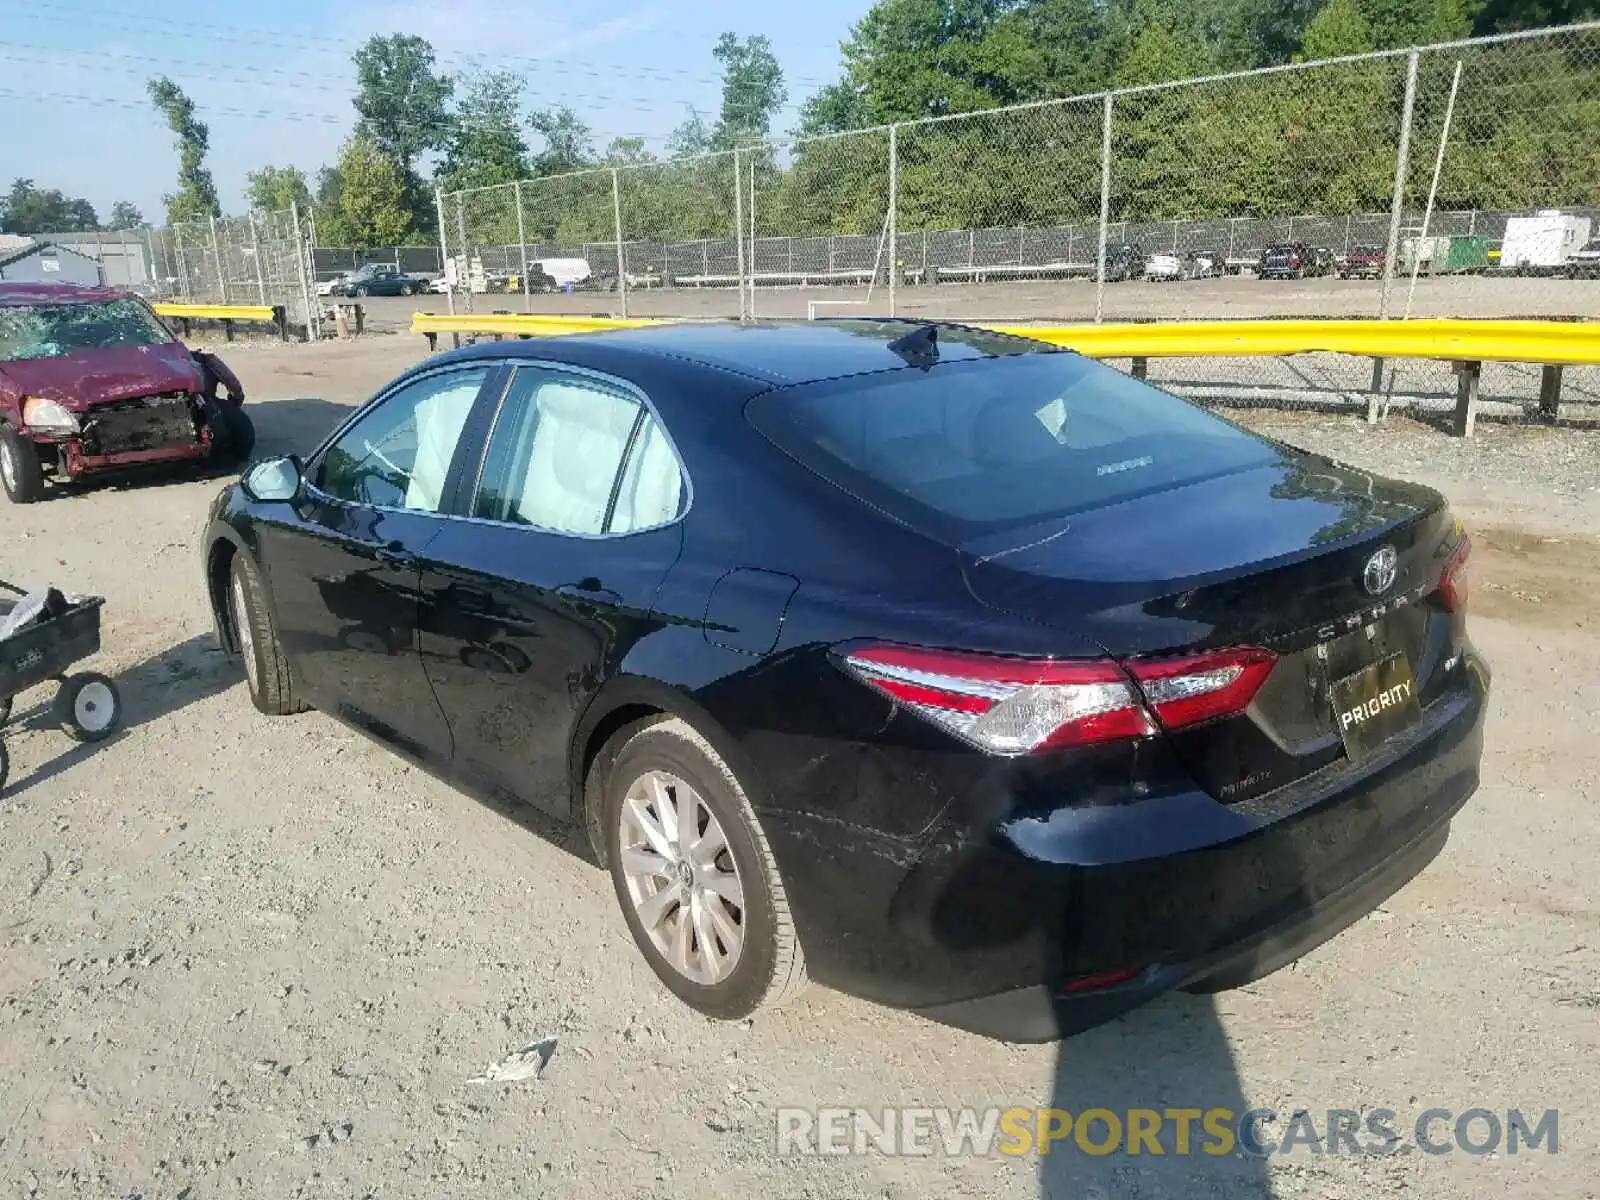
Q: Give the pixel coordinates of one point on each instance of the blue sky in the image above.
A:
(274, 79)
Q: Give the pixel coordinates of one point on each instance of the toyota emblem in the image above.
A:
(1380, 571)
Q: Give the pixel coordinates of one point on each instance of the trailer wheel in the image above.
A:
(88, 707)
(20, 469)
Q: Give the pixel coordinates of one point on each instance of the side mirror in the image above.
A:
(274, 479)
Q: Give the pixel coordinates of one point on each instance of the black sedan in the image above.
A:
(957, 672)
(377, 279)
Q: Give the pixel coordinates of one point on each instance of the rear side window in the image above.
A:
(572, 455)
(963, 449)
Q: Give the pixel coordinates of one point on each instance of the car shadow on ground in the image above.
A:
(294, 425)
(1169, 1065)
(157, 687)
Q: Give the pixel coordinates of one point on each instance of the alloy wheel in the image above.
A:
(682, 878)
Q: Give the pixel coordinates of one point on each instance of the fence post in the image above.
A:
(622, 269)
(1472, 222)
(1105, 214)
(894, 204)
(300, 263)
(183, 263)
(738, 227)
(1402, 163)
(522, 249)
(1348, 218)
(160, 281)
(752, 235)
(464, 271)
(444, 255)
(216, 253)
(1174, 235)
(1433, 191)
(255, 253)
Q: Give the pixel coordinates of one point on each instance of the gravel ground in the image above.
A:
(252, 957)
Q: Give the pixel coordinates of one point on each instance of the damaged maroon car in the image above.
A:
(91, 381)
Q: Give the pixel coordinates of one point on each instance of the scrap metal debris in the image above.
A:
(527, 1063)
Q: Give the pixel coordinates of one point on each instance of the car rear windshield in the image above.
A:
(964, 449)
(52, 330)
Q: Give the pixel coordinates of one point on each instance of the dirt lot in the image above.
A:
(246, 957)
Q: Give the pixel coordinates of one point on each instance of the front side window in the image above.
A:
(53, 330)
(398, 455)
(573, 455)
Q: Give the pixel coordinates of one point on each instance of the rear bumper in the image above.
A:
(990, 929)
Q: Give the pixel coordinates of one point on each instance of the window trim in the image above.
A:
(314, 460)
(472, 480)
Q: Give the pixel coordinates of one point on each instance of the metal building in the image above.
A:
(48, 262)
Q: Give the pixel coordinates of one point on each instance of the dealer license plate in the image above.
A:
(1374, 704)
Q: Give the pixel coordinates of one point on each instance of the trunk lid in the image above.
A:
(1273, 556)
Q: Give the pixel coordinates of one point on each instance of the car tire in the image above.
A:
(5, 766)
(266, 668)
(405, 289)
(20, 469)
(233, 434)
(361, 291)
(732, 949)
(88, 707)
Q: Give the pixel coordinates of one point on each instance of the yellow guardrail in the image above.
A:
(273, 314)
(1450, 339)
(217, 312)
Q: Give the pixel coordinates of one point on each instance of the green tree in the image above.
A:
(838, 107)
(197, 191)
(690, 137)
(627, 152)
(752, 90)
(1340, 27)
(124, 215)
(1503, 16)
(275, 189)
(486, 145)
(402, 100)
(28, 209)
(568, 141)
(371, 209)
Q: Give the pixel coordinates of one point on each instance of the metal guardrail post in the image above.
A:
(622, 267)
(1105, 213)
(1402, 164)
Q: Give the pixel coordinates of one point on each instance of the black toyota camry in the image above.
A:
(955, 671)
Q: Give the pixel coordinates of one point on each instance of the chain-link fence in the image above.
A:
(260, 258)
(1302, 172)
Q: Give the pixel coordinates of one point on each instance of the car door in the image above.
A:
(342, 560)
(531, 603)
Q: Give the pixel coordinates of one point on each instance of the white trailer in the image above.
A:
(1547, 241)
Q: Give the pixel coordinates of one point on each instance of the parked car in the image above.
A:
(376, 279)
(1204, 264)
(781, 616)
(325, 286)
(1585, 263)
(1363, 262)
(91, 381)
(1124, 263)
(1163, 267)
(1291, 260)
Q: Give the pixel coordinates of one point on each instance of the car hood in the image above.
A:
(81, 381)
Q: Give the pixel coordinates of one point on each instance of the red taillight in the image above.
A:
(1186, 691)
(1022, 706)
(1454, 582)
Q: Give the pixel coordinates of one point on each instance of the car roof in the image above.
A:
(776, 353)
(14, 295)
